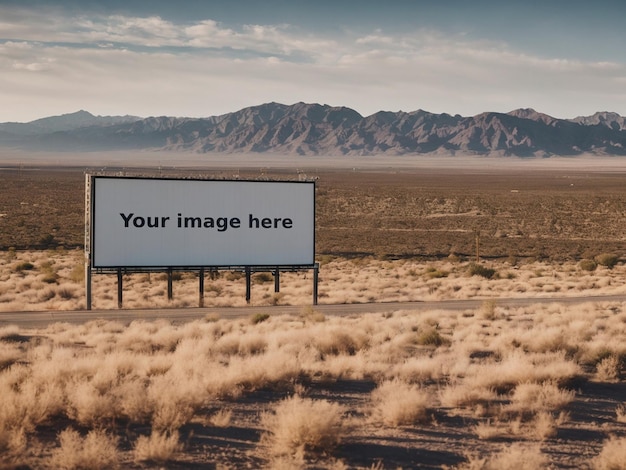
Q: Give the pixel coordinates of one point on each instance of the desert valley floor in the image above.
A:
(490, 387)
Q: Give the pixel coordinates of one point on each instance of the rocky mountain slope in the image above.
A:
(313, 129)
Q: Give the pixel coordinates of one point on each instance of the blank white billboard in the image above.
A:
(149, 222)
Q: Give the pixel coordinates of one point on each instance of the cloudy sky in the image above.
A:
(209, 57)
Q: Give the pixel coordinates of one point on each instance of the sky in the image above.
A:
(199, 58)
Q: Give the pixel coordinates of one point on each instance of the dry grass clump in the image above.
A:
(396, 403)
(607, 259)
(543, 425)
(159, 447)
(95, 451)
(539, 397)
(13, 445)
(301, 425)
(612, 456)
(513, 457)
(609, 368)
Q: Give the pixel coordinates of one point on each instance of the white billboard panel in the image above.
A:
(144, 222)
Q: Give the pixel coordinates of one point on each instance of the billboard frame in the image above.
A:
(201, 269)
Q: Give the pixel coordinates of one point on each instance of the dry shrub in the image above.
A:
(173, 400)
(486, 430)
(466, 395)
(46, 294)
(588, 265)
(396, 403)
(259, 318)
(221, 418)
(476, 269)
(159, 447)
(608, 369)
(337, 340)
(262, 278)
(131, 400)
(23, 266)
(513, 457)
(532, 397)
(66, 292)
(299, 425)
(488, 309)
(431, 337)
(620, 413)
(9, 332)
(544, 425)
(518, 367)
(172, 415)
(608, 260)
(13, 443)
(77, 274)
(97, 450)
(87, 405)
(612, 456)
(308, 313)
(9, 354)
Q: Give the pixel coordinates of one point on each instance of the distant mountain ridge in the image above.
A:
(65, 122)
(314, 129)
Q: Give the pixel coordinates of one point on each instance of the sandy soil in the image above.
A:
(495, 387)
(54, 280)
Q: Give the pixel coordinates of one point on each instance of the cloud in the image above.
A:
(152, 66)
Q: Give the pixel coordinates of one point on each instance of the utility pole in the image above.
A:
(477, 234)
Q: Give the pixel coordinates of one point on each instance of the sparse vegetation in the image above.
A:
(259, 318)
(476, 269)
(310, 387)
(397, 403)
(24, 266)
(262, 278)
(381, 213)
(302, 425)
(160, 447)
(323, 391)
(613, 455)
(96, 451)
(608, 260)
(588, 265)
(341, 281)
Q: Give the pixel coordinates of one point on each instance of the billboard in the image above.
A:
(154, 222)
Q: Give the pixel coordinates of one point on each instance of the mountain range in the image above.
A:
(314, 129)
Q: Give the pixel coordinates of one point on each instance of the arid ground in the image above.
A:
(495, 387)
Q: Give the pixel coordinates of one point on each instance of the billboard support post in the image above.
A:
(248, 284)
(88, 284)
(119, 288)
(316, 270)
(170, 286)
(277, 279)
(201, 288)
(88, 202)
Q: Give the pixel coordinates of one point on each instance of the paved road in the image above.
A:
(178, 315)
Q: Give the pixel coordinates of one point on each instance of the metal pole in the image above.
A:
(277, 279)
(88, 199)
(316, 270)
(119, 287)
(248, 285)
(201, 288)
(478, 246)
(170, 287)
(88, 283)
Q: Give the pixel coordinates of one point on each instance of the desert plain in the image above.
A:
(495, 386)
